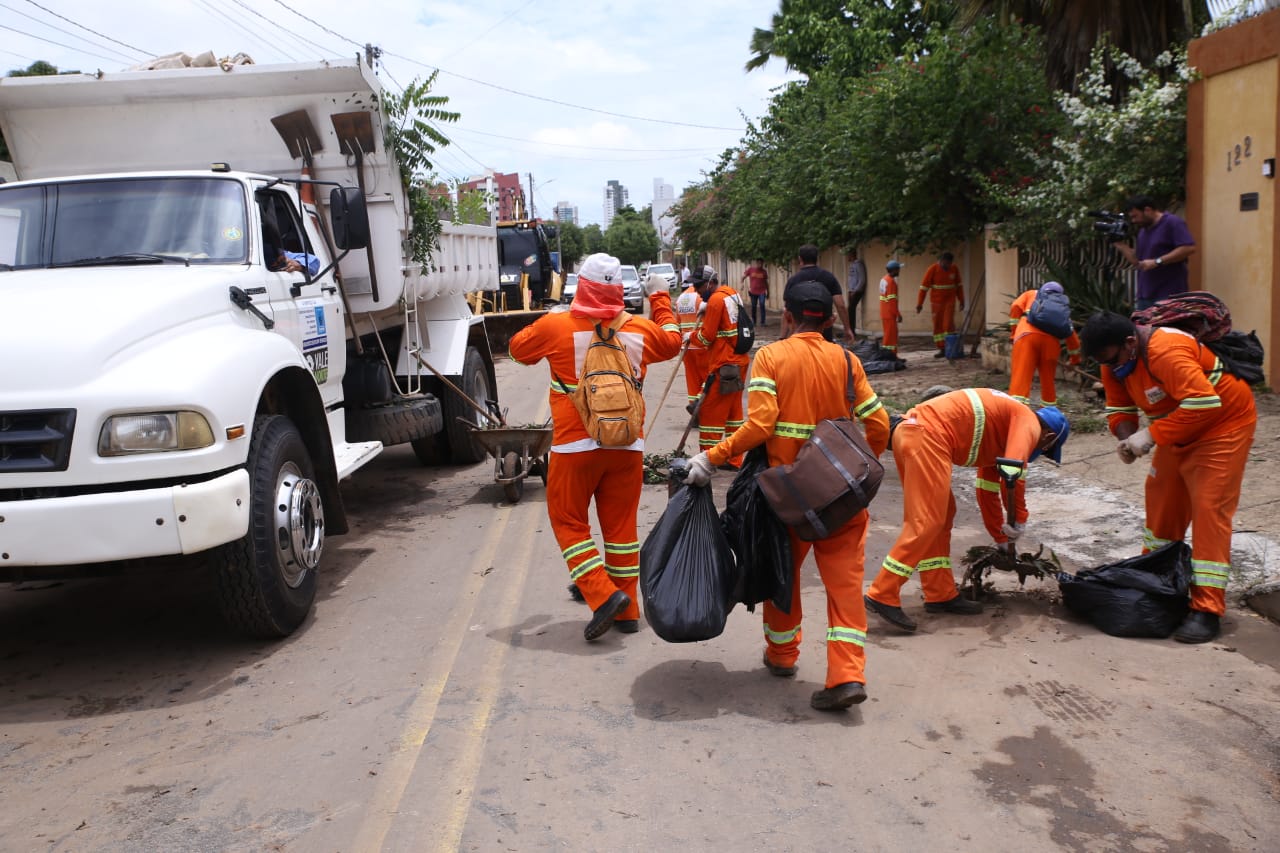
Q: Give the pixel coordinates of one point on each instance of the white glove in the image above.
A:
(702, 309)
(1138, 444)
(654, 283)
(1012, 531)
(700, 469)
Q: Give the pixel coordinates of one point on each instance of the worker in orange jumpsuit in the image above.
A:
(971, 427)
(890, 315)
(721, 412)
(1036, 351)
(796, 383)
(579, 469)
(1201, 426)
(689, 314)
(942, 283)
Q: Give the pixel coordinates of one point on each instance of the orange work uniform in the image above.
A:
(579, 469)
(890, 316)
(1202, 420)
(695, 355)
(945, 291)
(795, 383)
(1035, 351)
(721, 413)
(969, 427)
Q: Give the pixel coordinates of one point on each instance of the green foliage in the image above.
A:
(630, 238)
(572, 245)
(471, 207)
(593, 239)
(1090, 290)
(414, 138)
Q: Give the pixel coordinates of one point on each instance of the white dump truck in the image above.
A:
(193, 353)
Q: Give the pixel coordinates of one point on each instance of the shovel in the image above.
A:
(1010, 482)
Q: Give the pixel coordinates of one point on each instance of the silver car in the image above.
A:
(632, 290)
(569, 287)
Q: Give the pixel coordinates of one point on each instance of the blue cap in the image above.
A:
(1054, 421)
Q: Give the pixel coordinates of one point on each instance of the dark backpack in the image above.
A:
(746, 330)
(1051, 312)
(1207, 318)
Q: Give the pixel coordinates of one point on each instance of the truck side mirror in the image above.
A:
(349, 217)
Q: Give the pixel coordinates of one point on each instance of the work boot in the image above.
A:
(627, 626)
(889, 613)
(959, 605)
(940, 354)
(778, 669)
(1198, 627)
(602, 617)
(576, 594)
(839, 697)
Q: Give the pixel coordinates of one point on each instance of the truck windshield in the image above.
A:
(135, 220)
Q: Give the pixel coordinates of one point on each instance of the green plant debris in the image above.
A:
(657, 466)
(981, 559)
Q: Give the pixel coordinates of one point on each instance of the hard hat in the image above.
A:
(893, 266)
(1053, 420)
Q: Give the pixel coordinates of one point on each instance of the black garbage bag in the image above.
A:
(757, 538)
(687, 572)
(877, 359)
(1144, 596)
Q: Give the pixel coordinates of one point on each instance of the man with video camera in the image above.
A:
(1163, 246)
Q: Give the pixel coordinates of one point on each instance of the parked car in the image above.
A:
(632, 290)
(569, 288)
(667, 271)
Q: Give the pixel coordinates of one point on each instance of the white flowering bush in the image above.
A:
(1116, 140)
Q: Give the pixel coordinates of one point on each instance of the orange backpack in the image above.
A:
(608, 397)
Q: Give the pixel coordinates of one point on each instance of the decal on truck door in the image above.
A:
(315, 340)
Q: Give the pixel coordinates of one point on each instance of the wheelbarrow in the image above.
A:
(517, 452)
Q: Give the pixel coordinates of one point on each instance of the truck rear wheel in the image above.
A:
(474, 382)
(266, 581)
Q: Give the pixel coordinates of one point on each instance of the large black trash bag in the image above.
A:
(687, 572)
(876, 359)
(758, 539)
(1144, 596)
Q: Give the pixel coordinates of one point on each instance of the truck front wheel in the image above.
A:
(266, 581)
(474, 382)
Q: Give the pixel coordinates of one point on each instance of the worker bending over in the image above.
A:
(796, 383)
(1036, 350)
(971, 427)
(1201, 424)
(580, 470)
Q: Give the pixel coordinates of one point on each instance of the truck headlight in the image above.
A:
(154, 432)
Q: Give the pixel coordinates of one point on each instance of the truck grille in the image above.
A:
(36, 440)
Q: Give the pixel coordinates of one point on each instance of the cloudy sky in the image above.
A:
(576, 93)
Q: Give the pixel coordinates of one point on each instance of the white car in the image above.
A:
(667, 271)
(632, 290)
(569, 288)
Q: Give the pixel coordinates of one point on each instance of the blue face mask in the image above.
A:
(1125, 369)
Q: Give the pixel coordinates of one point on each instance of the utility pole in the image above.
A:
(533, 207)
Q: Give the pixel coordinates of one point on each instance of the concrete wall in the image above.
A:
(1233, 123)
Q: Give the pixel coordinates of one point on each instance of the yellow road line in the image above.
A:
(487, 684)
(385, 802)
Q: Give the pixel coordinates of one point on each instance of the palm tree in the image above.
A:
(1072, 28)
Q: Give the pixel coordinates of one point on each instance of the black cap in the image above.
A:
(808, 299)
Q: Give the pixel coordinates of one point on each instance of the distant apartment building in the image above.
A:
(565, 212)
(664, 196)
(616, 197)
(504, 192)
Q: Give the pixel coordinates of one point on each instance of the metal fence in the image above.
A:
(1096, 260)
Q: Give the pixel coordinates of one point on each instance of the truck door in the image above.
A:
(308, 312)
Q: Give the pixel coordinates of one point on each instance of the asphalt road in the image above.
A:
(442, 697)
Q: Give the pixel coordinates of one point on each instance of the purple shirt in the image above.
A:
(1156, 241)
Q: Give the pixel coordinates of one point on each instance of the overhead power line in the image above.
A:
(323, 50)
(60, 44)
(591, 147)
(58, 29)
(88, 30)
(320, 25)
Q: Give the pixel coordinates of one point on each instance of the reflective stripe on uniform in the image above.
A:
(988, 486)
(1120, 410)
(586, 566)
(861, 412)
(846, 635)
(785, 429)
(578, 549)
(1209, 573)
(622, 571)
(670, 327)
(897, 567)
(732, 425)
(768, 386)
(622, 547)
(979, 425)
(1215, 374)
(570, 386)
(780, 637)
(1201, 403)
(941, 337)
(1151, 542)
(933, 564)
(1026, 401)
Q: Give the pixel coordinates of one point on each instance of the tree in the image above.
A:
(572, 243)
(1073, 28)
(471, 207)
(631, 239)
(593, 239)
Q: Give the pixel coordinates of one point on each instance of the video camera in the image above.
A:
(1113, 226)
